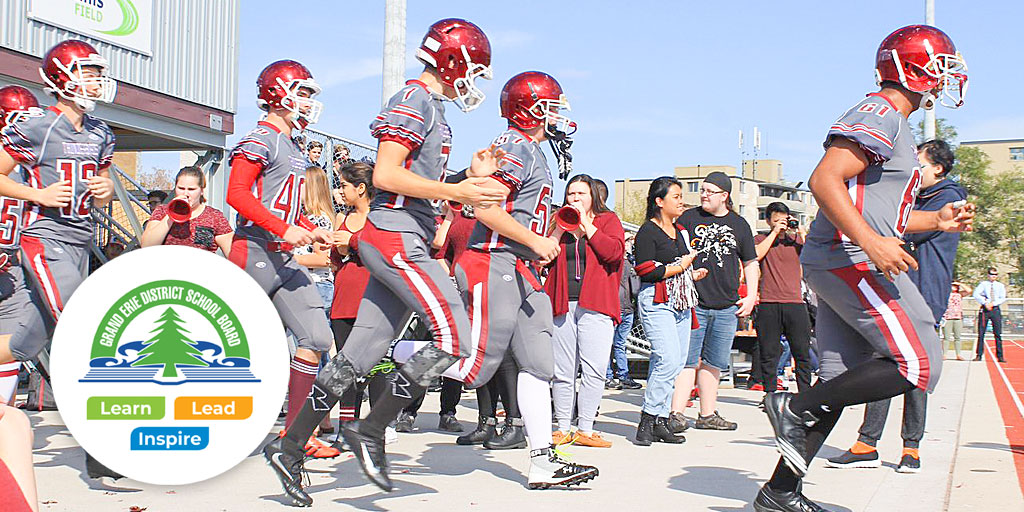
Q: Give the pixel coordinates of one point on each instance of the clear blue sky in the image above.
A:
(653, 84)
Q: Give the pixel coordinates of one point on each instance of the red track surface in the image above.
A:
(1008, 382)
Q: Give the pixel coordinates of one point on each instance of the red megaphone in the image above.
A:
(568, 218)
(179, 210)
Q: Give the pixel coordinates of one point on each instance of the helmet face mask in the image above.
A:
(289, 86)
(75, 72)
(460, 53)
(18, 115)
(924, 60)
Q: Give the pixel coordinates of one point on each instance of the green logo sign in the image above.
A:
(129, 21)
(169, 332)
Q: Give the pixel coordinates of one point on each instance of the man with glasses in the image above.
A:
(990, 294)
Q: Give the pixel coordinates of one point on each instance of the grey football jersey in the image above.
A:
(884, 193)
(280, 184)
(524, 170)
(414, 118)
(50, 150)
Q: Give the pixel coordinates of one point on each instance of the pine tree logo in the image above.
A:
(170, 346)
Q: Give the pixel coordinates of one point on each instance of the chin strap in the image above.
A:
(560, 144)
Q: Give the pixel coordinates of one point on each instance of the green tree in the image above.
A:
(170, 346)
(998, 236)
(634, 207)
(943, 131)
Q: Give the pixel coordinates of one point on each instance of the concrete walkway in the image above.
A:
(966, 460)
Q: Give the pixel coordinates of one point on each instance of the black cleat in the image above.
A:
(285, 457)
(369, 451)
(769, 500)
(548, 469)
(404, 422)
(790, 431)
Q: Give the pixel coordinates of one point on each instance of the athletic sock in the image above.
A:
(912, 452)
(348, 406)
(400, 392)
(535, 405)
(874, 380)
(312, 410)
(300, 381)
(8, 380)
(861, 448)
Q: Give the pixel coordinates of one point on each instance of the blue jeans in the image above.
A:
(711, 342)
(618, 358)
(668, 331)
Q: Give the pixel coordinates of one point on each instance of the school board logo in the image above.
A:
(169, 365)
(194, 337)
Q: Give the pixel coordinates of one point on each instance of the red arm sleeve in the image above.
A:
(609, 241)
(239, 196)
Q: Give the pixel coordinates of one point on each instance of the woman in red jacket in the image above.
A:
(584, 288)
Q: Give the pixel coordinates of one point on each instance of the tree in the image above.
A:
(170, 346)
(634, 207)
(998, 236)
(943, 131)
(156, 179)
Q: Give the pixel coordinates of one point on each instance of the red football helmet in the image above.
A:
(532, 98)
(279, 85)
(461, 53)
(63, 71)
(17, 102)
(923, 59)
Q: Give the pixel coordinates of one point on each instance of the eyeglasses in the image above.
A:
(706, 192)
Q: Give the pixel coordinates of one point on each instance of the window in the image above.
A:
(693, 186)
(743, 187)
(1016, 153)
(743, 210)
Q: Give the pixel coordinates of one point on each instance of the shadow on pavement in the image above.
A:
(726, 483)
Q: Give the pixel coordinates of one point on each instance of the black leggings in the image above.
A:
(353, 397)
(501, 387)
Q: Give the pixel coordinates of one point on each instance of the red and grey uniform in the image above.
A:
(507, 304)
(267, 177)
(395, 243)
(55, 241)
(890, 319)
(14, 294)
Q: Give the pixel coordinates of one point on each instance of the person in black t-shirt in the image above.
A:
(721, 239)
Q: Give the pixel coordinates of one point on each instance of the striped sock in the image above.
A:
(300, 382)
(8, 380)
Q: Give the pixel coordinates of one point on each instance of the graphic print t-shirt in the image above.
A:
(721, 243)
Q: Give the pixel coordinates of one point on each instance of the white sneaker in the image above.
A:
(390, 435)
(547, 468)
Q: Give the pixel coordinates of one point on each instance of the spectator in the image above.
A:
(990, 294)
(629, 287)
(781, 311)
(113, 250)
(953, 318)
(155, 198)
(666, 299)
(584, 289)
(340, 158)
(602, 190)
(723, 241)
(935, 252)
(342, 154)
(17, 479)
(206, 227)
(314, 150)
(318, 209)
(350, 283)
(300, 140)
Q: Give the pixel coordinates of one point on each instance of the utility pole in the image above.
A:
(929, 115)
(394, 48)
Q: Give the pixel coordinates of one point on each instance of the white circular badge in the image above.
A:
(169, 365)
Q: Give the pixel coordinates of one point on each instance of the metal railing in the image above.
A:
(357, 150)
(1012, 312)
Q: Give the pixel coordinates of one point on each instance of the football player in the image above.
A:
(16, 103)
(410, 175)
(507, 305)
(876, 335)
(64, 155)
(268, 169)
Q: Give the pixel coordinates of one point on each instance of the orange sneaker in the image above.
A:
(318, 450)
(593, 440)
(558, 437)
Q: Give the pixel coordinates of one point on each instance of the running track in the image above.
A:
(1008, 382)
